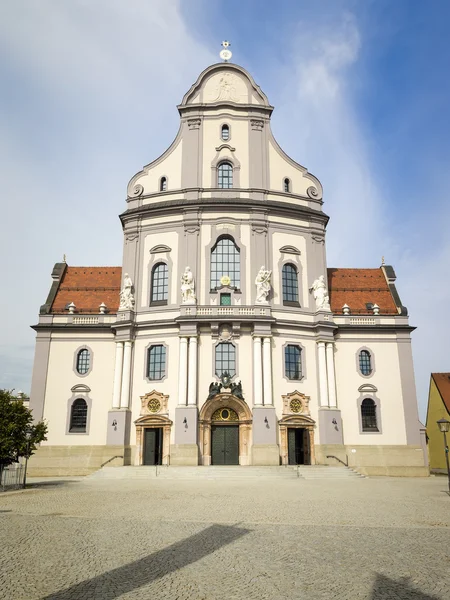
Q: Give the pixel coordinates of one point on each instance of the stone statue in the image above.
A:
(236, 390)
(263, 286)
(126, 295)
(214, 389)
(320, 293)
(188, 287)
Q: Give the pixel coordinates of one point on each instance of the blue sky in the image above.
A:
(89, 94)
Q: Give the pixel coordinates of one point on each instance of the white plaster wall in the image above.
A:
(308, 385)
(62, 377)
(280, 168)
(169, 166)
(280, 239)
(140, 384)
(386, 378)
(245, 240)
(212, 140)
(167, 238)
(203, 284)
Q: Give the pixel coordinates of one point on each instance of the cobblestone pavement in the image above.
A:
(371, 539)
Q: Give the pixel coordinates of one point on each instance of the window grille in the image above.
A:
(160, 284)
(225, 175)
(156, 363)
(365, 362)
(78, 416)
(225, 260)
(225, 359)
(369, 415)
(83, 361)
(290, 284)
(293, 361)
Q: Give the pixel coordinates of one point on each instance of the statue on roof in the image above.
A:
(188, 287)
(320, 294)
(126, 294)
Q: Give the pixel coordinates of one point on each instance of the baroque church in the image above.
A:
(224, 338)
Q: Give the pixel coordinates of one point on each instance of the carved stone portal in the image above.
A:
(154, 402)
(300, 422)
(153, 406)
(296, 403)
(209, 413)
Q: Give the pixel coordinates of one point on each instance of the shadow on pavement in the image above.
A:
(142, 572)
(386, 588)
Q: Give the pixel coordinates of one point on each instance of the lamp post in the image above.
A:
(28, 435)
(444, 427)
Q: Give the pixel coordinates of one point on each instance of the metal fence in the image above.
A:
(12, 477)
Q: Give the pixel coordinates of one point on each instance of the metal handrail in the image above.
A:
(109, 460)
(338, 459)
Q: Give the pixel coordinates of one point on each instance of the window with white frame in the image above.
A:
(225, 359)
(83, 361)
(293, 361)
(225, 175)
(78, 416)
(365, 362)
(160, 284)
(369, 415)
(156, 362)
(290, 284)
(225, 262)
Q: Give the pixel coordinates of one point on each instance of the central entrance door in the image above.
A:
(225, 444)
(153, 437)
(298, 446)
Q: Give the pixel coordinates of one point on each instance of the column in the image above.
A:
(323, 384)
(182, 371)
(126, 375)
(118, 375)
(331, 376)
(267, 370)
(192, 380)
(257, 372)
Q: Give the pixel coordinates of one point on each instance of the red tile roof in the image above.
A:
(87, 288)
(356, 288)
(442, 381)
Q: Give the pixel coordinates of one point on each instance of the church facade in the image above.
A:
(224, 338)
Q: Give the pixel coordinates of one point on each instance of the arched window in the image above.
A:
(160, 284)
(290, 284)
(163, 184)
(225, 359)
(156, 362)
(369, 415)
(287, 185)
(365, 362)
(225, 262)
(78, 416)
(293, 361)
(83, 361)
(225, 133)
(225, 175)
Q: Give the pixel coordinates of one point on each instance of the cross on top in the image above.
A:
(226, 54)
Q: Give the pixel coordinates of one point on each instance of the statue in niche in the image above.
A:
(214, 389)
(126, 294)
(320, 294)
(263, 285)
(188, 287)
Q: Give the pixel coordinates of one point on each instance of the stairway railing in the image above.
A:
(338, 459)
(109, 460)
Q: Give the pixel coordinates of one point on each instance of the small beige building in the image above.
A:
(224, 338)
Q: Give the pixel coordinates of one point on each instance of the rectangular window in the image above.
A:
(225, 359)
(225, 299)
(156, 363)
(293, 362)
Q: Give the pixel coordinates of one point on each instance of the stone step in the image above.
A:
(225, 472)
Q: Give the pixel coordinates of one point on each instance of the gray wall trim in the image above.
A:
(70, 401)
(91, 360)
(155, 342)
(302, 360)
(375, 398)
(40, 371)
(409, 395)
(372, 361)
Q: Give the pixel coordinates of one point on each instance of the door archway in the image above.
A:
(297, 422)
(210, 408)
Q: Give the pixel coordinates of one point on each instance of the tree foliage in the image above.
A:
(16, 420)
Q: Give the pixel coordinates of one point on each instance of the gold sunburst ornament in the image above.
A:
(225, 280)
